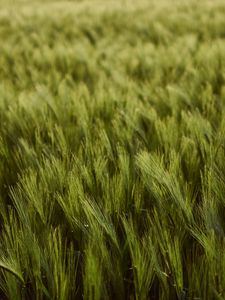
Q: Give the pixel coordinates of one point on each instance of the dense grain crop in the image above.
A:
(112, 150)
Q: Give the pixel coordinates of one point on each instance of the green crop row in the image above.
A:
(112, 150)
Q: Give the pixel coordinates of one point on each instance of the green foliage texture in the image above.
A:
(112, 150)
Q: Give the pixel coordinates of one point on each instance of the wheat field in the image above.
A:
(112, 150)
